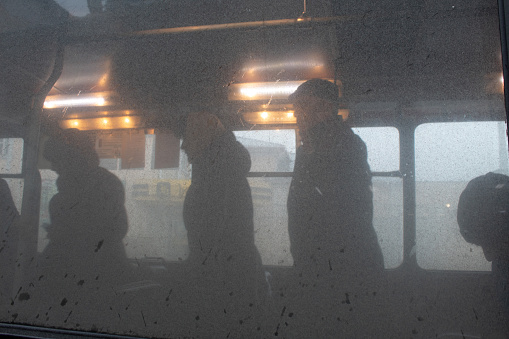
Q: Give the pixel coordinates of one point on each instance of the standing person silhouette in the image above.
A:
(225, 266)
(330, 210)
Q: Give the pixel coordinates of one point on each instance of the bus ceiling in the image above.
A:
(123, 73)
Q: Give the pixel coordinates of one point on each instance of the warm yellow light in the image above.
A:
(76, 101)
(289, 115)
(502, 79)
(263, 90)
(447, 205)
(120, 122)
(104, 79)
(269, 117)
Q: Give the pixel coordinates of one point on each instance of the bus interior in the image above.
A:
(421, 82)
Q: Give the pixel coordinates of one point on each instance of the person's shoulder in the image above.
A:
(5, 193)
(346, 138)
(236, 156)
(4, 187)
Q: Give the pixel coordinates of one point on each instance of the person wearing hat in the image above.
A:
(330, 208)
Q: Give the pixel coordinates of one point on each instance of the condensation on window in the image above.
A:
(11, 155)
(383, 147)
(16, 188)
(448, 156)
(382, 144)
(270, 150)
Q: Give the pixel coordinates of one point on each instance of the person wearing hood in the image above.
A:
(225, 267)
(88, 219)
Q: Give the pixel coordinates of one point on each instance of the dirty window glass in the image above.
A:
(383, 147)
(271, 151)
(11, 155)
(16, 191)
(142, 216)
(383, 156)
(271, 220)
(153, 196)
(448, 156)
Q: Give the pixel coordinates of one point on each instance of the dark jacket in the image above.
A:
(88, 223)
(218, 212)
(224, 272)
(330, 205)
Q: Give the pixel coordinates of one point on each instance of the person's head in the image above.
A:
(483, 215)
(315, 101)
(201, 129)
(71, 150)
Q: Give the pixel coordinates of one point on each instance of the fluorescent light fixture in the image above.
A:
(83, 100)
(297, 64)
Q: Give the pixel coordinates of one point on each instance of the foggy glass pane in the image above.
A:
(16, 187)
(388, 218)
(271, 219)
(271, 151)
(123, 244)
(48, 190)
(448, 156)
(383, 147)
(11, 155)
(78, 8)
(154, 202)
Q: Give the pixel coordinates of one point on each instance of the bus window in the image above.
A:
(271, 151)
(155, 186)
(271, 219)
(448, 156)
(11, 155)
(16, 190)
(383, 157)
(131, 247)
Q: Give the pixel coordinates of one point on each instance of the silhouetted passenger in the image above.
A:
(9, 233)
(330, 210)
(88, 219)
(225, 266)
(483, 218)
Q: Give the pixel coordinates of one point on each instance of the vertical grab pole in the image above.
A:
(503, 44)
(30, 208)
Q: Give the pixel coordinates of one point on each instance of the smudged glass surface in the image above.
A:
(160, 184)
